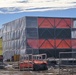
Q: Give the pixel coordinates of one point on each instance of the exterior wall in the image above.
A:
(14, 38)
(56, 35)
(39, 35)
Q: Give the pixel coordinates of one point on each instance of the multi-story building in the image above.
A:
(35, 35)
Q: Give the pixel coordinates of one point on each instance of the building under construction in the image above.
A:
(37, 35)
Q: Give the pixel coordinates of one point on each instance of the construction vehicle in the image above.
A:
(33, 62)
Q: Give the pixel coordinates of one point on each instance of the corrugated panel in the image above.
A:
(4, 37)
(4, 29)
(63, 23)
(74, 43)
(45, 22)
(17, 34)
(18, 24)
(63, 44)
(8, 54)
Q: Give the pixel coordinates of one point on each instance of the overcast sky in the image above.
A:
(13, 9)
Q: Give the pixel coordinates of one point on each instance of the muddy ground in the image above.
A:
(47, 72)
(24, 73)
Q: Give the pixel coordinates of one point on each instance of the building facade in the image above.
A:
(39, 35)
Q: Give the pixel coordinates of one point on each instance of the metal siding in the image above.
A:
(13, 36)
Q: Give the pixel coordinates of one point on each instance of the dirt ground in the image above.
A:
(14, 73)
(3, 72)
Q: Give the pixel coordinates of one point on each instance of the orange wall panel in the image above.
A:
(57, 21)
(63, 44)
(63, 23)
(45, 23)
(48, 44)
(40, 20)
(69, 22)
(51, 23)
(51, 43)
(42, 43)
(51, 20)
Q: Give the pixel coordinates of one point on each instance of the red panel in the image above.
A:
(69, 22)
(40, 20)
(57, 21)
(52, 42)
(33, 43)
(63, 43)
(47, 44)
(45, 22)
(63, 23)
(51, 20)
(74, 44)
(68, 43)
(42, 43)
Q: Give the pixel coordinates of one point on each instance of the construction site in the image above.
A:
(38, 46)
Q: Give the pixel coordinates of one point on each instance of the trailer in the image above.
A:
(33, 62)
